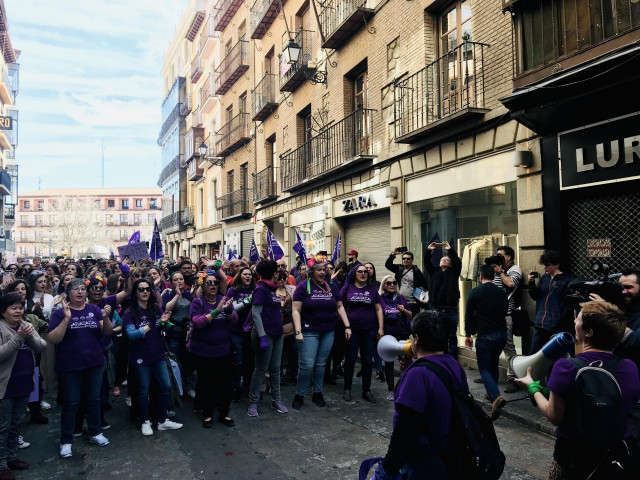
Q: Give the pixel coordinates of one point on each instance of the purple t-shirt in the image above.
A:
(421, 390)
(396, 323)
(208, 339)
(21, 379)
(271, 309)
(563, 378)
(319, 306)
(113, 303)
(148, 350)
(360, 305)
(81, 347)
(238, 295)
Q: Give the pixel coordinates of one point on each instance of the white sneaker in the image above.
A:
(99, 440)
(65, 450)
(128, 401)
(169, 425)
(146, 428)
(22, 443)
(44, 405)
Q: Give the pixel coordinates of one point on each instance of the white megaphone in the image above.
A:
(389, 348)
(557, 347)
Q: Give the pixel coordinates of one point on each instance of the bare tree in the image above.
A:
(77, 224)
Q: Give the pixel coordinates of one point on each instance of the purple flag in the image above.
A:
(135, 238)
(336, 249)
(299, 249)
(232, 256)
(155, 250)
(274, 250)
(254, 256)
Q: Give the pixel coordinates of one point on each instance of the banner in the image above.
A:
(155, 250)
(336, 249)
(135, 251)
(135, 238)
(232, 256)
(254, 256)
(274, 250)
(299, 249)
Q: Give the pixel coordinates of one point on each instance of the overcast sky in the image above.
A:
(90, 70)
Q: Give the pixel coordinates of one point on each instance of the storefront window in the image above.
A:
(488, 214)
(312, 236)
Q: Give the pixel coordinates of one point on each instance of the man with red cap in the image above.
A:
(353, 258)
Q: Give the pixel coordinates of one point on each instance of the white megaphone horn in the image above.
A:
(389, 348)
(557, 347)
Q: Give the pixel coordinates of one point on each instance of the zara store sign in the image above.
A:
(360, 202)
(604, 152)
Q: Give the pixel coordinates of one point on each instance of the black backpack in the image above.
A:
(598, 405)
(474, 452)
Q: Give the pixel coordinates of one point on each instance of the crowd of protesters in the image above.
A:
(219, 332)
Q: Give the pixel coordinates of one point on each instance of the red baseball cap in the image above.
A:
(353, 252)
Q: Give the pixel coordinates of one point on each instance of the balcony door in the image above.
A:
(362, 122)
(456, 66)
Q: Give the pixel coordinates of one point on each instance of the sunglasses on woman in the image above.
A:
(212, 282)
(390, 283)
(362, 272)
(144, 289)
(97, 288)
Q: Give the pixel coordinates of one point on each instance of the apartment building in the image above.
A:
(9, 86)
(84, 221)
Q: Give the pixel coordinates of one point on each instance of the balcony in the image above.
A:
(187, 217)
(342, 144)
(169, 170)
(5, 89)
(7, 245)
(192, 140)
(264, 98)
(232, 67)
(234, 205)
(449, 89)
(171, 107)
(263, 13)
(233, 135)
(208, 96)
(196, 68)
(171, 223)
(9, 211)
(208, 37)
(5, 182)
(225, 10)
(264, 186)
(293, 77)
(196, 117)
(196, 21)
(194, 171)
(5, 140)
(342, 19)
(185, 106)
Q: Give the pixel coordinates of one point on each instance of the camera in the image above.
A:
(607, 286)
(496, 259)
(190, 280)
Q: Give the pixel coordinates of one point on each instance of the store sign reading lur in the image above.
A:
(601, 153)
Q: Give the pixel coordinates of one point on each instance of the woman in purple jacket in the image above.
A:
(208, 343)
(397, 320)
(147, 357)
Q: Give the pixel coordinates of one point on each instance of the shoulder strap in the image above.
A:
(439, 372)
(610, 365)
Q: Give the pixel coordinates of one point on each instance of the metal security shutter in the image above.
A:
(370, 235)
(614, 217)
(245, 239)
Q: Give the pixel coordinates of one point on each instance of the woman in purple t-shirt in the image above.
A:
(362, 304)
(599, 329)
(211, 315)
(266, 337)
(315, 304)
(18, 342)
(147, 357)
(77, 330)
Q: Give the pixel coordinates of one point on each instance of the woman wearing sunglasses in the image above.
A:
(211, 315)
(397, 320)
(147, 355)
(315, 304)
(242, 287)
(362, 304)
(77, 330)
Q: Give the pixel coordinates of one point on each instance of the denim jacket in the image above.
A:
(549, 296)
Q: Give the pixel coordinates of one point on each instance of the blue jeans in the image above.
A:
(12, 411)
(76, 385)
(266, 360)
(488, 349)
(143, 376)
(365, 341)
(314, 351)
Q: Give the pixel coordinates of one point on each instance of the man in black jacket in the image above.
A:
(408, 276)
(485, 315)
(444, 292)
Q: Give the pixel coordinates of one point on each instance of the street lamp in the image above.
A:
(216, 161)
(291, 55)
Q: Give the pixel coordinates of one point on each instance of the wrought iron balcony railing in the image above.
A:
(5, 182)
(264, 185)
(170, 169)
(232, 67)
(293, 77)
(340, 144)
(225, 10)
(186, 106)
(9, 211)
(208, 94)
(196, 68)
(264, 97)
(196, 117)
(234, 204)
(341, 19)
(233, 135)
(263, 13)
(207, 36)
(451, 87)
(171, 222)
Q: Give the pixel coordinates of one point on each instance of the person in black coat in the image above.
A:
(408, 276)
